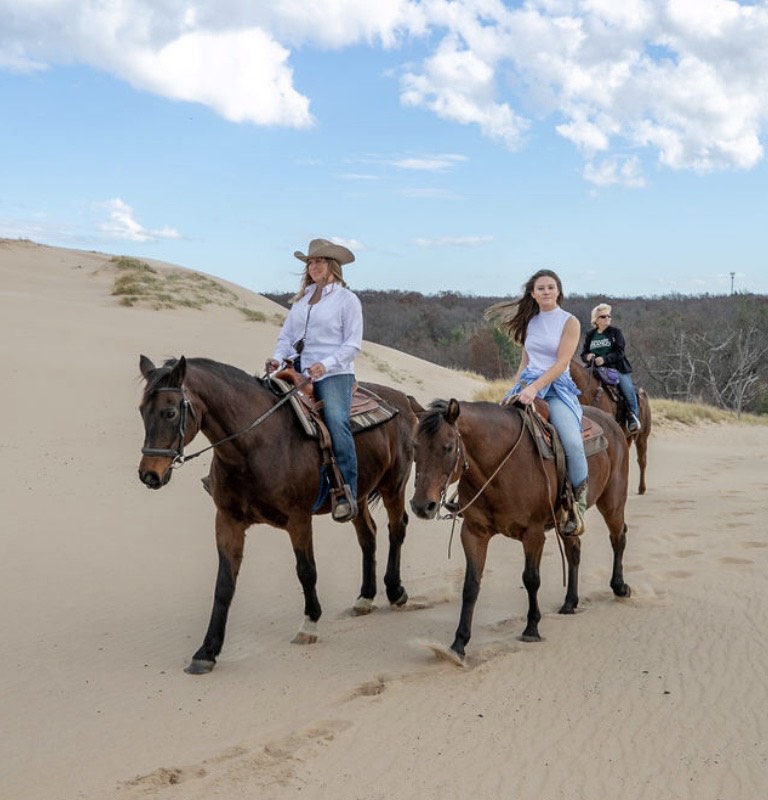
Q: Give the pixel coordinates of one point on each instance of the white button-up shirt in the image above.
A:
(332, 330)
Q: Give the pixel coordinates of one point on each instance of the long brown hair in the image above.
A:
(513, 316)
(306, 280)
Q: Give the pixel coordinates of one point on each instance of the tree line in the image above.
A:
(708, 349)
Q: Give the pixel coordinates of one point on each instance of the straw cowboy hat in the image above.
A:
(322, 248)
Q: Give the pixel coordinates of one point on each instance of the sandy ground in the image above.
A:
(106, 590)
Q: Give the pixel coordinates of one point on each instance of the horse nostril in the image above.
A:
(150, 480)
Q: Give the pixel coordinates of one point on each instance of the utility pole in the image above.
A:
(733, 274)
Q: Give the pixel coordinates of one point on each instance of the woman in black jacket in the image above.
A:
(604, 347)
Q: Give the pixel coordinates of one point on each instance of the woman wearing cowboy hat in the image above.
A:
(322, 335)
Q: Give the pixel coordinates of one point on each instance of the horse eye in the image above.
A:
(448, 448)
(170, 414)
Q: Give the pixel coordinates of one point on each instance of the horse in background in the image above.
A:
(506, 486)
(270, 473)
(594, 393)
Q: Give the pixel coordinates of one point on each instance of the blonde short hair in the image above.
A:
(602, 308)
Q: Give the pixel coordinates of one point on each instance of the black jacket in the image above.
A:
(615, 358)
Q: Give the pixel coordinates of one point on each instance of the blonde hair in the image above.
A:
(335, 270)
(601, 308)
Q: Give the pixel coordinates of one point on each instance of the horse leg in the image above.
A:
(397, 522)
(572, 548)
(230, 539)
(641, 445)
(533, 548)
(475, 552)
(612, 512)
(618, 543)
(365, 528)
(301, 539)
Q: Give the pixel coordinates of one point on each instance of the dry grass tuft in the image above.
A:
(139, 284)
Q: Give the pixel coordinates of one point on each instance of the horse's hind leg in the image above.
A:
(365, 528)
(230, 537)
(533, 548)
(641, 445)
(619, 543)
(572, 549)
(397, 522)
(306, 570)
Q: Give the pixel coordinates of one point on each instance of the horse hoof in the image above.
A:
(199, 667)
(304, 638)
(567, 610)
(530, 637)
(362, 607)
(447, 654)
(402, 600)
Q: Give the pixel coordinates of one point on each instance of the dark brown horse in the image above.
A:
(593, 393)
(506, 487)
(270, 473)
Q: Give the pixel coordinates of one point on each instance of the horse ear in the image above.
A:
(453, 411)
(414, 404)
(146, 366)
(176, 378)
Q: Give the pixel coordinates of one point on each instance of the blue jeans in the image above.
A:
(627, 386)
(568, 428)
(336, 393)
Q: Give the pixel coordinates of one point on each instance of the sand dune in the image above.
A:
(106, 590)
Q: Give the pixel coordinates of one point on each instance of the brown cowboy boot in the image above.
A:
(575, 524)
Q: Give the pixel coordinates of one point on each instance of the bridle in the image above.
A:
(457, 470)
(186, 408)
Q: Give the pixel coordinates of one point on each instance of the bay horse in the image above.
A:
(505, 486)
(594, 393)
(270, 473)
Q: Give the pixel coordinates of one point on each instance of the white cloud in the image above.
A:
(454, 241)
(434, 163)
(123, 225)
(614, 171)
(683, 81)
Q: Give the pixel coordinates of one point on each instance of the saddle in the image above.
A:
(548, 442)
(367, 411)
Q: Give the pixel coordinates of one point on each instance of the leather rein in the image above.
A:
(186, 408)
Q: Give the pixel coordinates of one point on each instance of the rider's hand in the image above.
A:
(316, 371)
(271, 365)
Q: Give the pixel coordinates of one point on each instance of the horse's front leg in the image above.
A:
(475, 552)
(230, 538)
(303, 548)
(533, 547)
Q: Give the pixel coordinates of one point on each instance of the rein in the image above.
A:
(455, 514)
(178, 456)
(529, 410)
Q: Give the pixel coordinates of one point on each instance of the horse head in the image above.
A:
(439, 456)
(167, 412)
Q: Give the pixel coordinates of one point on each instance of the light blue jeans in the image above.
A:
(336, 393)
(568, 427)
(627, 386)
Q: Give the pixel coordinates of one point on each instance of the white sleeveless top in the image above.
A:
(542, 339)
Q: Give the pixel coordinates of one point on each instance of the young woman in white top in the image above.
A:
(322, 335)
(549, 337)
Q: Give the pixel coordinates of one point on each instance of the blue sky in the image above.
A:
(453, 145)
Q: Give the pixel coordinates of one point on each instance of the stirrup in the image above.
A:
(344, 505)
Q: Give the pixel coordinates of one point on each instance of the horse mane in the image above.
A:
(220, 371)
(431, 420)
